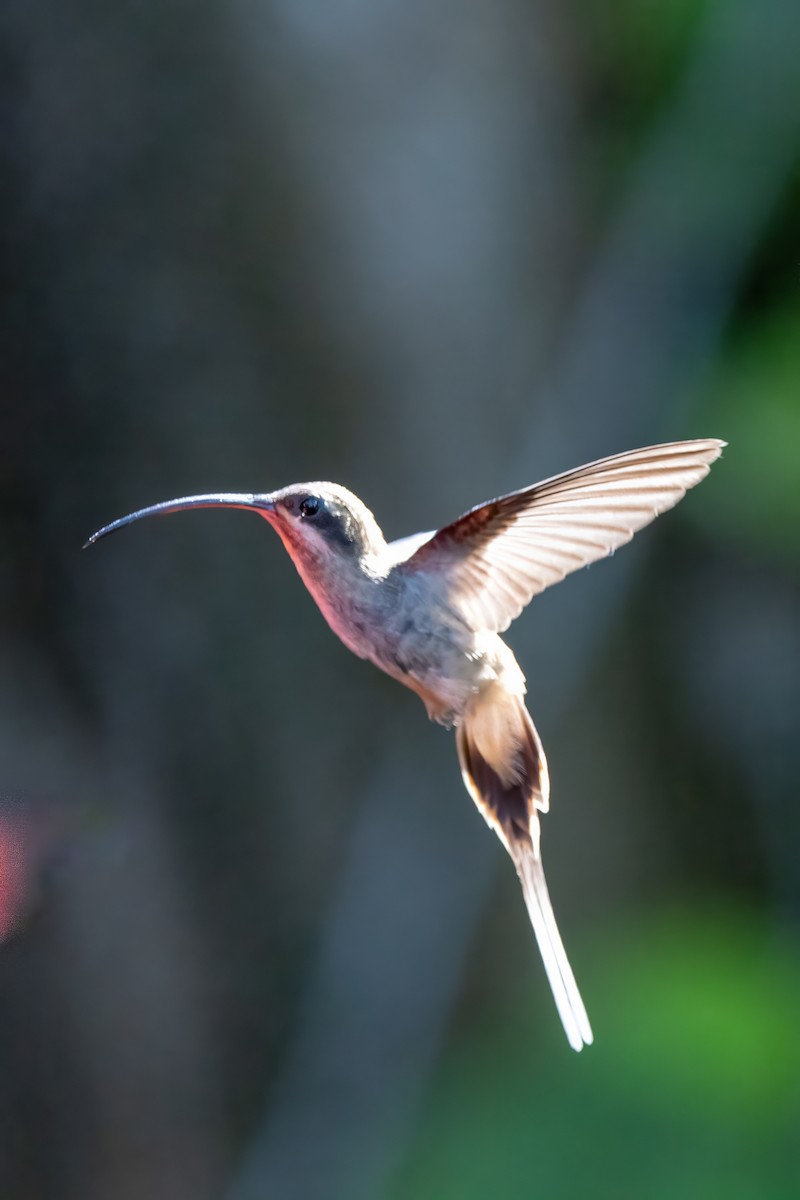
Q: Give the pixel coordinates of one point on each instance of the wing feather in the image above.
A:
(495, 558)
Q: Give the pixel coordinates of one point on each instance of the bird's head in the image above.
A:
(324, 522)
(317, 522)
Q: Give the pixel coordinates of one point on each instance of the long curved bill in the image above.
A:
(260, 504)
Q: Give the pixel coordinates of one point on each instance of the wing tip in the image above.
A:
(709, 449)
(715, 446)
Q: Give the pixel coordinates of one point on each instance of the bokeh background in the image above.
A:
(257, 943)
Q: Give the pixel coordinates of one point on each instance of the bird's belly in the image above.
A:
(444, 666)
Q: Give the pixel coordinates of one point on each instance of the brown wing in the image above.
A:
(494, 559)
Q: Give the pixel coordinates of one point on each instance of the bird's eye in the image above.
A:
(309, 507)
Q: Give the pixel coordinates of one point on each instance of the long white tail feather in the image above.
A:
(559, 973)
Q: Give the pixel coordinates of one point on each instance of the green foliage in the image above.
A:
(690, 1091)
(753, 400)
(639, 47)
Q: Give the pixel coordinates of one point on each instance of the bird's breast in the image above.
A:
(414, 640)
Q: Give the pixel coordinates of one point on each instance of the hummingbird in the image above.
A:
(429, 610)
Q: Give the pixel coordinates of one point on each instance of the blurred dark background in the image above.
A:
(257, 941)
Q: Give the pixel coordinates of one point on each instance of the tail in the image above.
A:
(505, 772)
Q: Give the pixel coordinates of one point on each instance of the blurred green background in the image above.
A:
(257, 941)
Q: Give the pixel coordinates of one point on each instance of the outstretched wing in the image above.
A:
(494, 559)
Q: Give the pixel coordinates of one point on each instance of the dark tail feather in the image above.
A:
(510, 794)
